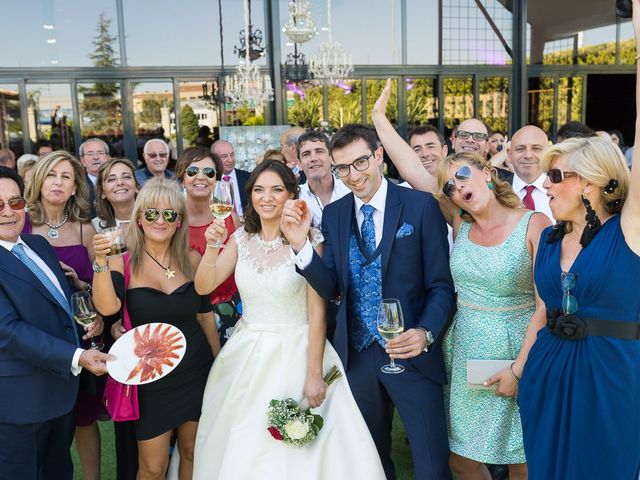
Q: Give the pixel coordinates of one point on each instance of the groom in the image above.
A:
(384, 241)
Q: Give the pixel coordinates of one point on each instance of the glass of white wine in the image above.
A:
(390, 325)
(221, 203)
(84, 313)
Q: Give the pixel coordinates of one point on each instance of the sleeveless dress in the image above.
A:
(177, 397)
(495, 304)
(580, 399)
(266, 359)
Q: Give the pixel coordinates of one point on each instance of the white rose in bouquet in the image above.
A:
(296, 429)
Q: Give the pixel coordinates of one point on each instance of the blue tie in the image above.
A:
(368, 229)
(18, 251)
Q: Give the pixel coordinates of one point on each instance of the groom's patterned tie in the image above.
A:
(366, 284)
(18, 251)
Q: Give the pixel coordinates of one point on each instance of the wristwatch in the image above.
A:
(429, 338)
(100, 268)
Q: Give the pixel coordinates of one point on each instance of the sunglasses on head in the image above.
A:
(210, 172)
(17, 203)
(462, 174)
(556, 175)
(152, 214)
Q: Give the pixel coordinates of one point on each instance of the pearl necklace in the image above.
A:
(53, 229)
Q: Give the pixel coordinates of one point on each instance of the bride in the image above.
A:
(277, 351)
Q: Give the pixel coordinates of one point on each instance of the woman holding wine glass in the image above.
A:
(58, 200)
(159, 267)
(199, 172)
(277, 351)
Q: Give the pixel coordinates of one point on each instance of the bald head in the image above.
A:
(289, 145)
(471, 136)
(525, 152)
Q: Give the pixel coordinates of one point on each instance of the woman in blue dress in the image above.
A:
(580, 390)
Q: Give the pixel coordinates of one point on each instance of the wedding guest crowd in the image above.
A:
(519, 348)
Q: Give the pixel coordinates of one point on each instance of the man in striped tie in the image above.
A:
(40, 356)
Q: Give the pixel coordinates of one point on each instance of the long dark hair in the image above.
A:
(104, 209)
(251, 218)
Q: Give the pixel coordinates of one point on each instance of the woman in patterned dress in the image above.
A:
(498, 315)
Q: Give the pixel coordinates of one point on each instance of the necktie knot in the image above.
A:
(18, 249)
(530, 189)
(226, 178)
(367, 211)
(528, 200)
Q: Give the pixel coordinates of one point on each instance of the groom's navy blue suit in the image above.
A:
(415, 269)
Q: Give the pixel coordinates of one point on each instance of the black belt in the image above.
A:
(572, 327)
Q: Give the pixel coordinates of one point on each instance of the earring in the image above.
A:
(179, 225)
(593, 223)
(490, 185)
(139, 224)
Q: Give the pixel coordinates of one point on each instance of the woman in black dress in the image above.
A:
(160, 289)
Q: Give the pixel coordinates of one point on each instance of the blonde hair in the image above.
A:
(153, 192)
(501, 189)
(598, 161)
(77, 206)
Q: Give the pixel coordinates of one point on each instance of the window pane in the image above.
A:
(627, 44)
(374, 88)
(458, 100)
(569, 99)
(187, 33)
(493, 102)
(153, 113)
(101, 114)
(198, 109)
(422, 32)
(48, 33)
(540, 110)
(422, 101)
(50, 114)
(304, 104)
(11, 135)
(371, 39)
(345, 103)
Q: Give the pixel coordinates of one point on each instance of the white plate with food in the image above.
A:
(147, 353)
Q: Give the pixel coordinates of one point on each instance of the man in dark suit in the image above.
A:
(93, 154)
(238, 178)
(40, 356)
(384, 241)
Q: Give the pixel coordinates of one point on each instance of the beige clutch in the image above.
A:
(480, 370)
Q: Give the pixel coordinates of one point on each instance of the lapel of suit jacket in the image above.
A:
(392, 212)
(344, 236)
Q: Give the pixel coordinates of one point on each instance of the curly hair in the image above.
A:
(77, 207)
(502, 190)
(252, 222)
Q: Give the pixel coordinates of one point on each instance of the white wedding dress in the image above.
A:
(266, 359)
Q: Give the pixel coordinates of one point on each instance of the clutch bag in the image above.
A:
(480, 370)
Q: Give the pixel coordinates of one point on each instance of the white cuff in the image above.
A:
(304, 256)
(75, 362)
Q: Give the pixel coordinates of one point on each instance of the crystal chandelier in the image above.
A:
(331, 62)
(248, 86)
(252, 40)
(300, 28)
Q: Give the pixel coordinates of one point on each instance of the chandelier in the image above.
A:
(300, 28)
(248, 86)
(296, 67)
(252, 40)
(210, 97)
(331, 62)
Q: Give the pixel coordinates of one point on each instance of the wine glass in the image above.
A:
(84, 313)
(221, 203)
(390, 325)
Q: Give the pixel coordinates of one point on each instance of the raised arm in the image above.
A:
(402, 155)
(631, 208)
(215, 266)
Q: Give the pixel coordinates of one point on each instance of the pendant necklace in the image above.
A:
(167, 270)
(53, 229)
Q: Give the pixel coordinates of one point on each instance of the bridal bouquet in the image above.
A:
(292, 422)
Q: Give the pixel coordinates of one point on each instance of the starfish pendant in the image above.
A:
(170, 273)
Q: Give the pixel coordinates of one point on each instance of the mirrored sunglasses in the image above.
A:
(152, 214)
(463, 174)
(210, 172)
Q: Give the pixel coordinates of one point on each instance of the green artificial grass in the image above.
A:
(401, 453)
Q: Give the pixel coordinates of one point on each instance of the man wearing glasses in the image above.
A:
(93, 153)
(156, 159)
(383, 241)
(40, 354)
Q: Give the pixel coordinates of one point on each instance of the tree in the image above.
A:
(189, 124)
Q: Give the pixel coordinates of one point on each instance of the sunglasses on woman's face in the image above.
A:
(463, 174)
(152, 214)
(17, 203)
(556, 175)
(210, 172)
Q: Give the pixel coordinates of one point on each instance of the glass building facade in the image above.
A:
(129, 70)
